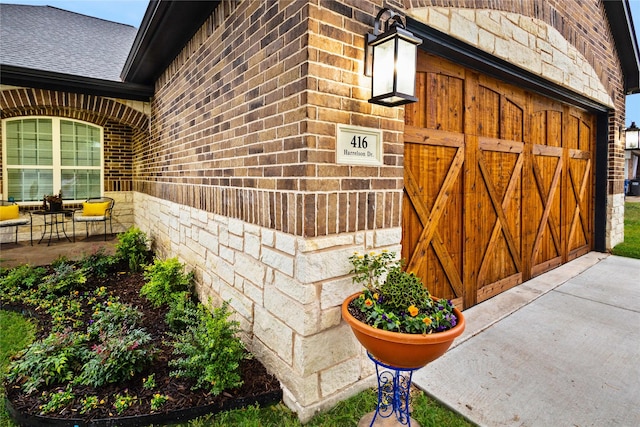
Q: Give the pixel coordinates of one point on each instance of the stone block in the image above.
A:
(330, 318)
(227, 254)
(464, 29)
(286, 243)
(323, 350)
(237, 301)
(335, 291)
(208, 240)
(339, 376)
(318, 266)
(273, 334)
(252, 245)
(277, 260)
(303, 319)
(319, 243)
(268, 237)
(248, 268)
(302, 293)
(236, 226)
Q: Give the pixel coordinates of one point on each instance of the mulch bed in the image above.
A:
(184, 403)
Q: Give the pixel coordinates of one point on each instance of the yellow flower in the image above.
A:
(427, 321)
(413, 310)
(368, 302)
(375, 296)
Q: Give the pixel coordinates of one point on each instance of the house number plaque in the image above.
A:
(359, 145)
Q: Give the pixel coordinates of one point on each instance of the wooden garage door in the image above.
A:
(498, 183)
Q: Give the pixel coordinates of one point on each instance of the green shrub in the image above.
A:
(166, 283)
(98, 264)
(117, 357)
(183, 312)
(22, 277)
(133, 247)
(64, 279)
(122, 348)
(209, 351)
(53, 360)
(112, 319)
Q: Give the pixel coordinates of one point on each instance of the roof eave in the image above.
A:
(28, 77)
(624, 34)
(166, 28)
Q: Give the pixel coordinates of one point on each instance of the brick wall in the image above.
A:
(245, 119)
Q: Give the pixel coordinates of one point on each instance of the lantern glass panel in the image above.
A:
(632, 139)
(383, 67)
(406, 67)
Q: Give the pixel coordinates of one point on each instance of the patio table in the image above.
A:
(53, 219)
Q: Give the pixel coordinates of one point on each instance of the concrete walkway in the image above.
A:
(562, 349)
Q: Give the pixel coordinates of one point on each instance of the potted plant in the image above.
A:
(54, 201)
(395, 317)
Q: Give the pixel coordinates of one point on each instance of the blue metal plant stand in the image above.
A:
(394, 389)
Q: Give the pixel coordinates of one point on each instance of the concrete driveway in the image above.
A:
(560, 350)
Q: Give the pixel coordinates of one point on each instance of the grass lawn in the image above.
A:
(631, 246)
(17, 333)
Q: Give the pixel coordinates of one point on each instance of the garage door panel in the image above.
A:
(488, 124)
(433, 209)
(545, 208)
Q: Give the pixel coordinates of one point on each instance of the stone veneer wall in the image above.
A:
(286, 291)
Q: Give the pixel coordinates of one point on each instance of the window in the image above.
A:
(46, 155)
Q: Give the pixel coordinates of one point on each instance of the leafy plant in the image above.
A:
(158, 400)
(22, 277)
(98, 263)
(209, 351)
(113, 319)
(57, 400)
(65, 278)
(133, 247)
(183, 313)
(52, 360)
(89, 403)
(149, 383)
(166, 282)
(122, 349)
(395, 300)
(122, 402)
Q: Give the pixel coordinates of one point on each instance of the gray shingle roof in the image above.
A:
(51, 39)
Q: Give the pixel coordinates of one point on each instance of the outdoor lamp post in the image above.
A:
(390, 60)
(631, 137)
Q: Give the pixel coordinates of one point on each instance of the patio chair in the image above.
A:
(10, 217)
(95, 209)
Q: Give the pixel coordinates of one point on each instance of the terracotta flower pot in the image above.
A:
(401, 350)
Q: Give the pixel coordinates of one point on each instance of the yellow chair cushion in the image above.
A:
(9, 212)
(95, 208)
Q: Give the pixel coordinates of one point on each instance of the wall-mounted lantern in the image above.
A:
(390, 59)
(631, 137)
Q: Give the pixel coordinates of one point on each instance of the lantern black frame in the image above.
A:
(394, 28)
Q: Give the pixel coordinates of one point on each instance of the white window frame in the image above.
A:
(56, 152)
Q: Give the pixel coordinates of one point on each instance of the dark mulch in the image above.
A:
(257, 381)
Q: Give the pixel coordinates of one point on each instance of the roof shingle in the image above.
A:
(51, 39)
